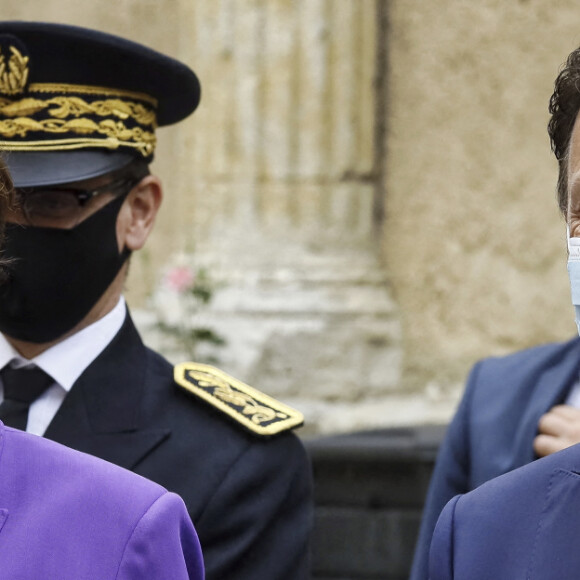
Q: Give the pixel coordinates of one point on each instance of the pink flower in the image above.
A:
(180, 278)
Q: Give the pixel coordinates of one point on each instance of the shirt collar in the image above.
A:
(66, 361)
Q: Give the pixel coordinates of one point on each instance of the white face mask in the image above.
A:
(574, 273)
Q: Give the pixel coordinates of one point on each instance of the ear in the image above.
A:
(138, 213)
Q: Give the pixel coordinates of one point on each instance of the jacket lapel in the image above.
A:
(552, 387)
(100, 415)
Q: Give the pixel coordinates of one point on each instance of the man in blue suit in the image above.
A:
(522, 525)
(495, 426)
(526, 405)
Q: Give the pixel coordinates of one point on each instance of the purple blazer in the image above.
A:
(71, 516)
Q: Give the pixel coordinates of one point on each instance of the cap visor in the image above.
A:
(34, 169)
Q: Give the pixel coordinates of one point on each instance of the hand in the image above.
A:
(557, 429)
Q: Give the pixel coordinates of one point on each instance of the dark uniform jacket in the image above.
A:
(495, 425)
(249, 496)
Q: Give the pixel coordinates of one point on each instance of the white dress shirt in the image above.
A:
(65, 362)
(573, 398)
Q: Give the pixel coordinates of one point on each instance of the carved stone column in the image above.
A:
(277, 183)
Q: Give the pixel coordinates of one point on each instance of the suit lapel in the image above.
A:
(551, 389)
(101, 413)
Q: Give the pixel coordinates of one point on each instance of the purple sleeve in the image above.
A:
(163, 545)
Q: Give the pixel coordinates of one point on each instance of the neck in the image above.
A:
(29, 350)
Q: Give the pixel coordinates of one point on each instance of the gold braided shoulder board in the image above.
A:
(256, 411)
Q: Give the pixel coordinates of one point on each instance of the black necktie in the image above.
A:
(21, 387)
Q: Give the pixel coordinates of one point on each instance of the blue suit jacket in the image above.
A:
(495, 425)
(67, 515)
(523, 525)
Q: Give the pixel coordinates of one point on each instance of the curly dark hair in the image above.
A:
(563, 108)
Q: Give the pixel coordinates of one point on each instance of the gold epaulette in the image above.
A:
(256, 411)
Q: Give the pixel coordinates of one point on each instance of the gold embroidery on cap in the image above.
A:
(23, 108)
(257, 411)
(14, 76)
(71, 144)
(143, 141)
(75, 106)
(70, 89)
(109, 118)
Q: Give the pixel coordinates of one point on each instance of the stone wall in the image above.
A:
(473, 241)
(284, 181)
(369, 184)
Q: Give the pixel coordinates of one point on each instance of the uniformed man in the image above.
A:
(78, 113)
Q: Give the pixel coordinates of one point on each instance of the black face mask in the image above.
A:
(56, 276)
